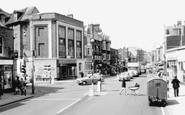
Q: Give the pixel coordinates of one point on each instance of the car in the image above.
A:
(89, 79)
(124, 75)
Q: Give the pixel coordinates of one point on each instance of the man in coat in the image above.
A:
(176, 86)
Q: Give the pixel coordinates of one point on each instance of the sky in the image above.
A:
(128, 23)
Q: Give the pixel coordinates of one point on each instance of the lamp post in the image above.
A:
(32, 54)
(92, 43)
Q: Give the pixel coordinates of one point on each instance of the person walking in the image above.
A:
(123, 86)
(176, 86)
(23, 87)
(17, 85)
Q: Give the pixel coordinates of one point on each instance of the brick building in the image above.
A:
(6, 52)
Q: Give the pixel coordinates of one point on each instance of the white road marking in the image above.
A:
(162, 109)
(54, 99)
(68, 106)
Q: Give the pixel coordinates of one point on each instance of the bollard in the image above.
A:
(99, 88)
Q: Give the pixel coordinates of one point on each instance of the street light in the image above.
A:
(92, 43)
(32, 54)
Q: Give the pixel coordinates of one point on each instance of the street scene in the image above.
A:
(86, 57)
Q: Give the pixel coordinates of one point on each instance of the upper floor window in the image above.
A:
(62, 41)
(70, 33)
(78, 35)
(1, 45)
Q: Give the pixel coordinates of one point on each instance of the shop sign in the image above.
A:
(67, 61)
(171, 56)
(180, 55)
(6, 62)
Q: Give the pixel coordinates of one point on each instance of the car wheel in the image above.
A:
(84, 83)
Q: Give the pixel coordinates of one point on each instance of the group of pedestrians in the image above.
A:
(175, 83)
(20, 86)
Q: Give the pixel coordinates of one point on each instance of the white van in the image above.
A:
(134, 68)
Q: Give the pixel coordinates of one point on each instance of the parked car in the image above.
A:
(89, 79)
(124, 75)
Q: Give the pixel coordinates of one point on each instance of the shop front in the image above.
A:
(67, 69)
(181, 65)
(6, 74)
(171, 58)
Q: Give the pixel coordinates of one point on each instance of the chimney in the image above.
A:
(70, 15)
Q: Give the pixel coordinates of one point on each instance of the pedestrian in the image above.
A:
(82, 74)
(23, 87)
(17, 85)
(176, 86)
(123, 86)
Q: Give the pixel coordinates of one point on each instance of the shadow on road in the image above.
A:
(172, 102)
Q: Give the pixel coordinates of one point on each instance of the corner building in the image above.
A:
(50, 43)
(57, 40)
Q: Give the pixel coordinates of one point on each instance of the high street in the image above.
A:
(112, 103)
(68, 98)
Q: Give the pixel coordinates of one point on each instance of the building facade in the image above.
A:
(174, 50)
(51, 44)
(6, 53)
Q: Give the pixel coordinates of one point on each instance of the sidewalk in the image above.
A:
(175, 105)
(8, 98)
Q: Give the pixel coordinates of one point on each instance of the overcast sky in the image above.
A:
(129, 23)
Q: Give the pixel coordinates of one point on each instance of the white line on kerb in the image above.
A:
(162, 109)
(68, 106)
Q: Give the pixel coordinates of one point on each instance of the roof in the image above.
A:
(5, 13)
(24, 14)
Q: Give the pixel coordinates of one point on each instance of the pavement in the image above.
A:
(175, 105)
(9, 98)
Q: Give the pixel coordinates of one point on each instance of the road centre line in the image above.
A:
(69, 106)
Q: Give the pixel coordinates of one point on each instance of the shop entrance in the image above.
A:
(62, 72)
(67, 71)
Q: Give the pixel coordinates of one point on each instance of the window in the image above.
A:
(62, 41)
(78, 44)
(71, 48)
(80, 66)
(1, 45)
(40, 31)
(41, 49)
(70, 34)
(78, 35)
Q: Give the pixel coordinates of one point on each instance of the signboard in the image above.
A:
(67, 61)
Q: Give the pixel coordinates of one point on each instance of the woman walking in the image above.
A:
(123, 87)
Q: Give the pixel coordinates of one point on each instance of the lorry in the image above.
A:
(134, 68)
